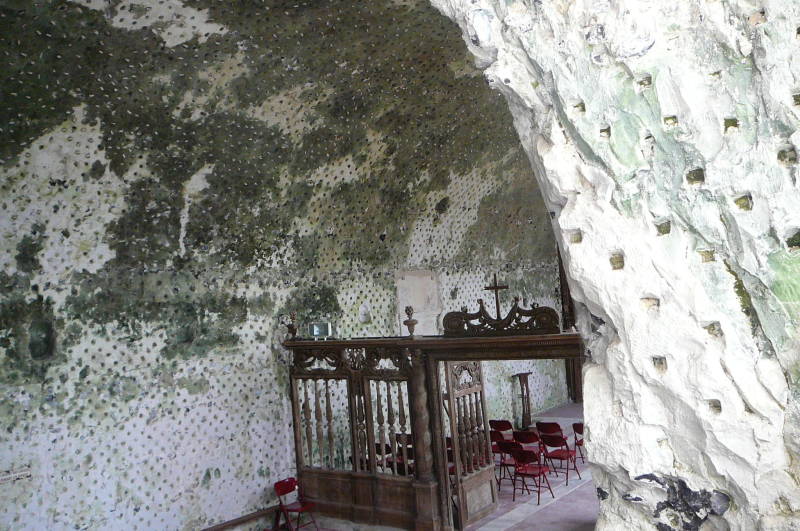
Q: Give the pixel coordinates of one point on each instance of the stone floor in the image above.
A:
(574, 507)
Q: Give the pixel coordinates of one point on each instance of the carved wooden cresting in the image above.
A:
(536, 320)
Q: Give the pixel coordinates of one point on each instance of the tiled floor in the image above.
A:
(574, 507)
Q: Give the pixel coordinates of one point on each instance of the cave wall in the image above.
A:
(664, 137)
(547, 384)
(176, 178)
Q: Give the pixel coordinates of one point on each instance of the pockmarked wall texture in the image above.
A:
(547, 384)
(176, 177)
(665, 138)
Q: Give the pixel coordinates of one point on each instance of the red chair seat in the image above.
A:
(299, 507)
(495, 449)
(560, 454)
(579, 442)
(532, 470)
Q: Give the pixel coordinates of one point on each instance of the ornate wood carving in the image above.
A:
(519, 321)
(326, 360)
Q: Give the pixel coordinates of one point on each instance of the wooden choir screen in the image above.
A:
(393, 431)
(353, 432)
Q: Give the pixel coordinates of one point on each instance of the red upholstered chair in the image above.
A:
(528, 464)
(555, 448)
(550, 428)
(507, 461)
(577, 427)
(285, 487)
(528, 439)
(504, 427)
(495, 437)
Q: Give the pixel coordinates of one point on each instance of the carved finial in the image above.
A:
(410, 322)
(291, 326)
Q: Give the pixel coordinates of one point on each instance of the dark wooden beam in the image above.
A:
(546, 346)
(262, 513)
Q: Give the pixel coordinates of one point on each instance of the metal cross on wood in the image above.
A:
(496, 290)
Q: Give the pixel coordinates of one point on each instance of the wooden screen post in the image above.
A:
(424, 485)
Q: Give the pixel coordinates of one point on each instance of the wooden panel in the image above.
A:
(481, 494)
(361, 497)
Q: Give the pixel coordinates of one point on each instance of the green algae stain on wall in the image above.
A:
(786, 284)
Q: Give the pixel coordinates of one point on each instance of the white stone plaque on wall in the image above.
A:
(420, 290)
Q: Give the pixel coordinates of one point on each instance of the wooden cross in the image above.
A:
(496, 290)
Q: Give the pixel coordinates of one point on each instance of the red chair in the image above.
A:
(503, 426)
(577, 427)
(507, 462)
(285, 487)
(550, 428)
(529, 440)
(561, 453)
(496, 437)
(529, 465)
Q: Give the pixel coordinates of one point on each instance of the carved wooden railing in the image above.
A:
(373, 409)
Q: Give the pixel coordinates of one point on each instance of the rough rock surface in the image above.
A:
(663, 135)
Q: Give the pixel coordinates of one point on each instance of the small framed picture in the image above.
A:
(320, 330)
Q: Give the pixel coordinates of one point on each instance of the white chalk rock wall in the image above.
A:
(664, 136)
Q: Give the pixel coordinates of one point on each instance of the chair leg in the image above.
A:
(525, 485)
(288, 519)
(552, 465)
(514, 488)
(575, 463)
(548, 486)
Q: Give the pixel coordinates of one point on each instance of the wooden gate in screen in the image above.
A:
(394, 431)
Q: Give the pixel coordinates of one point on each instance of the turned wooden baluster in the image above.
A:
(471, 427)
(363, 452)
(307, 418)
(402, 418)
(329, 418)
(478, 430)
(473, 447)
(381, 428)
(318, 422)
(482, 443)
(462, 439)
(390, 420)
